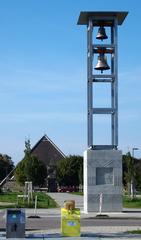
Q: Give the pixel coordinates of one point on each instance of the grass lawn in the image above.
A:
(9, 200)
(131, 203)
(138, 231)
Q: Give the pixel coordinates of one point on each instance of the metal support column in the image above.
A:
(90, 82)
(116, 80)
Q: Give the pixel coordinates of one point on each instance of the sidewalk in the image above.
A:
(61, 197)
(55, 212)
(133, 213)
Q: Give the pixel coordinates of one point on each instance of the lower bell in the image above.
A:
(102, 64)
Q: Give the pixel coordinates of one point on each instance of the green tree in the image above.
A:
(129, 173)
(20, 172)
(6, 165)
(69, 171)
(138, 174)
(30, 168)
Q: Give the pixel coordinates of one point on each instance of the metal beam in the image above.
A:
(111, 46)
(103, 80)
(103, 76)
(103, 110)
(100, 147)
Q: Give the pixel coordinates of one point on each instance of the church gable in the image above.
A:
(47, 152)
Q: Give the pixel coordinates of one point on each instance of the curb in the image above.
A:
(120, 218)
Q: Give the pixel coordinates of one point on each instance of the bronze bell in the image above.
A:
(102, 64)
(101, 33)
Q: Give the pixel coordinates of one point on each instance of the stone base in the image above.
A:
(102, 174)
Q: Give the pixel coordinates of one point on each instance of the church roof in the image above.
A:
(47, 152)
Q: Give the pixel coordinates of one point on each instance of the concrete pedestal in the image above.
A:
(102, 174)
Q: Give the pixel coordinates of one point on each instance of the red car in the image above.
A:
(67, 189)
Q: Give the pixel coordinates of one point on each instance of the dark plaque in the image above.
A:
(104, 175)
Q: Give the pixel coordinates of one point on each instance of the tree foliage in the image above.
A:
(6, 165)
(130, 169)
(70, 171)
(138, 175)
(131, 173)
(30, 168)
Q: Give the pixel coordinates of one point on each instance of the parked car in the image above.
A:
(67, 189)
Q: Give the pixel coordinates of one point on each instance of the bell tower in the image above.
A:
(102, 162)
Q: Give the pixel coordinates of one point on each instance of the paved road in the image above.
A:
(49, 223)
(93, 225)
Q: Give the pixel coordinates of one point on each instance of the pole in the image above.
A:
(100, 203)
(35, 210)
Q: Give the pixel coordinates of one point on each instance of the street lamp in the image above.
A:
(132, 179)
(134, 149)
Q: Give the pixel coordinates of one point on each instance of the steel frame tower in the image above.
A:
(111, 20)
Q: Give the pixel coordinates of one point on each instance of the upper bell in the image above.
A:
(101, 33)
(102, 64)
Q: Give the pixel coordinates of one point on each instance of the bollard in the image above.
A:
(35, 209)
(100, 203)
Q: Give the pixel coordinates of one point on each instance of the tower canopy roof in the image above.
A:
(84, 17)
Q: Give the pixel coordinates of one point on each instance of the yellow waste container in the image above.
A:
(70, 222)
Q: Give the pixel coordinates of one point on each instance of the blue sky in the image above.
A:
(43, 75)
